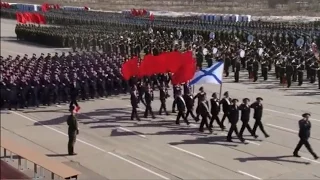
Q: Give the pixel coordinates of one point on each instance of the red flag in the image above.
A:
(151, 17)
(44, 7)
(35, 18)
(186, 71)
(28, 17)
(144, 12)
(147, 67)
(173, 61)
(20, 18)
(42, 19)
(130, 68)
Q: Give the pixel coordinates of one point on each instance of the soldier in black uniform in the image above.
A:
(203, 110)
(181, 106)
(258, 110)
(200, 95)
(225, 102)
(73, 131)
(300, 70)
(215, 110)
(289, 73)
(245, 117)
(304, 134)
(255, 70)
(148, 98)
(176, 90)
(233, 119)
(74, 91)
(264, 69)
(163, 96)
(134, 103)
(188, 98)
(237, 71)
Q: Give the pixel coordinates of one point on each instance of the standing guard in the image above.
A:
(73, 131)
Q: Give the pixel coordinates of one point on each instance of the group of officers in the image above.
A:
(207, 111)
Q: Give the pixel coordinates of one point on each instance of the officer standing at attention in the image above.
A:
(258, 110)
(245, 117)
(304, 134)
(73, 131)
(134, 103)
(233, 119)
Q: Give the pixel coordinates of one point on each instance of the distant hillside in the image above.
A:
(254, 7)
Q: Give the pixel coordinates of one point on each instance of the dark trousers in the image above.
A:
(255, 76)
(148, 110)
(134, 113)
(163, 107)
(190, 112)
(204, 121)
(216, 117)
(181, 114)
(245, 124)
(236, 76)
(259, 124)
(73, 102)
(233, 128)
(225, 115)
(71, 142)
(305, 142)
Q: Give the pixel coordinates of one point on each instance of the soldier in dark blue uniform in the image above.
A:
(245, 117)
(181, 106)
(304, 135)
(148, 98)
(258, 111)
(203, 111)
(163, 96)
(215, 110)
(233, 119)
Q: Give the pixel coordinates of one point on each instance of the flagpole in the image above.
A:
(193, 89)
(220, 93)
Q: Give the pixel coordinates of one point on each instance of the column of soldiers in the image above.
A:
(206, 110)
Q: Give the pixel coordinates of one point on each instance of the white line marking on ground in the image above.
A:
(128, 130)
(279, 127)
(57, 131)
(250, 175)
(93, 146)
(289, 114)
(311, 160)
(188, 152)
(252, 142)
(135, 164)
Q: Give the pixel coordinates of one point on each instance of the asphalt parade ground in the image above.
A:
(111, 146)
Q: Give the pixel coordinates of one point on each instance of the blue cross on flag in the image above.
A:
(211, 75)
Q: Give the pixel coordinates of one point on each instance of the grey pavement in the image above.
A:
(110, 146)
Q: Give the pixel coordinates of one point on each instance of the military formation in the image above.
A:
(102, 42)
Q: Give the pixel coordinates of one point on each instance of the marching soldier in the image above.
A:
(163, 96)
(258, 110)
(245, 117)
(188, 98)
(233, 119)
(73, 131)
(300, 70)
(181, 106)
(148, 98)
(215, 110)
(289, 73)
(255, 70)
(225, 102)
(304, 135)
(134, 98)
(204, 113)
(264, 69)
(237, 71)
